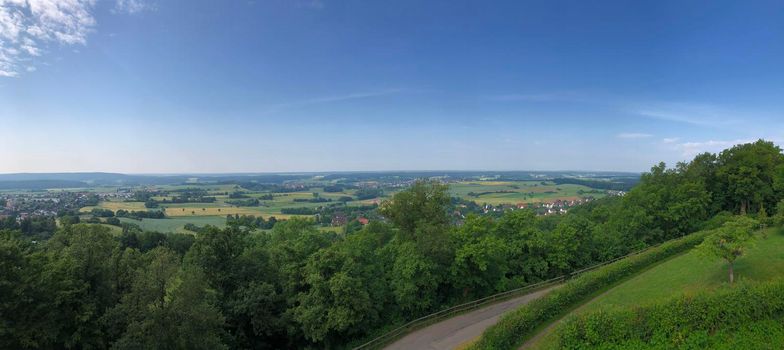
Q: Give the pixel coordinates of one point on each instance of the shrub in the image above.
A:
(742, 315)
(519, 324)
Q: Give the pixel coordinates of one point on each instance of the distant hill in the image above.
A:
(66, 180)
(40, 184)
(604, 180)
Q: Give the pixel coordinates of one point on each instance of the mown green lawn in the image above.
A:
(693, 272)
(689, 273)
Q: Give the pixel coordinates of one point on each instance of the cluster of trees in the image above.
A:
(273, 188)
(238, 195)
(34, 227)
(141, 214)
(84, 289)
(617, 184)
(190, 195)
(250, 202)
(368, 193)
(333, 188)
(101, 213)
(251, 221)
(315, 199)
(296, 287)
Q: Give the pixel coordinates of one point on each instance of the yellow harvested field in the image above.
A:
(219, 211)
(209, 211)
(115, 206)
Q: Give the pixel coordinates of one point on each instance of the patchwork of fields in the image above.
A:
(214, 213)
(513, 192)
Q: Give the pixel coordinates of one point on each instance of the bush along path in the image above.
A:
(749, 316)
(521, 324)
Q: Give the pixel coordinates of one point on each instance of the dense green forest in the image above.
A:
(296, 287)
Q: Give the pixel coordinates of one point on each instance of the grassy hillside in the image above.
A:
(687, 275)
(691, 273)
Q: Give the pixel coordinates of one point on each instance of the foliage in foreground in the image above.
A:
(749, 316)
(295, 287)
(516, 326)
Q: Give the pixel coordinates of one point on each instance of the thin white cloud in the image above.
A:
(693, 148)
(693, 113)
(29, 27)
(526, 97)
(670, 139)
(633, 135)
(688, 113)
(351, 96)
(334, 98)
(571, 97)
(132, 6)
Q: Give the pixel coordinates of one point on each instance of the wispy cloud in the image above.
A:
(333, 98)
(28, 27)
(525, 97)
(132, 6)
(689, 113)
(693, 113)
(693, 148)
(670, 139)
(547, 97)
(633, 135)
(351, 96)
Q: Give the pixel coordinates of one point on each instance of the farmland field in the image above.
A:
(116, 205)
(512, 192)
(215, 212)
(176, 224)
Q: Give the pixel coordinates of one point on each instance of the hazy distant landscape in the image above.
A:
(333, 199)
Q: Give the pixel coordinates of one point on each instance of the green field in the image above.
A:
(513, 192)
(692, 272)
(176, 224)
(688, 274)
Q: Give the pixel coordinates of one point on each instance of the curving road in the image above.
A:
(453, 332)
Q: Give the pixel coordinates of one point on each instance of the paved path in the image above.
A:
(452, 332)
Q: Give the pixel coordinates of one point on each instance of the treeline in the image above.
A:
(34, 227)
(274, 188)
(296, 287)
(325, 213)
(368, 193)
(143, 214)
(250, 202)
(251, 221)
(616, 184)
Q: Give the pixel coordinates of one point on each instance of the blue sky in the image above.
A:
(255, 86)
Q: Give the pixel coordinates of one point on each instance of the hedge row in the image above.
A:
(518, 325)
(744, 315)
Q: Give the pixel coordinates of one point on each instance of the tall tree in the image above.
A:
(747, 173)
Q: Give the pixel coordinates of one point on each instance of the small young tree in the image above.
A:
(778, 219)
(730, 241)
